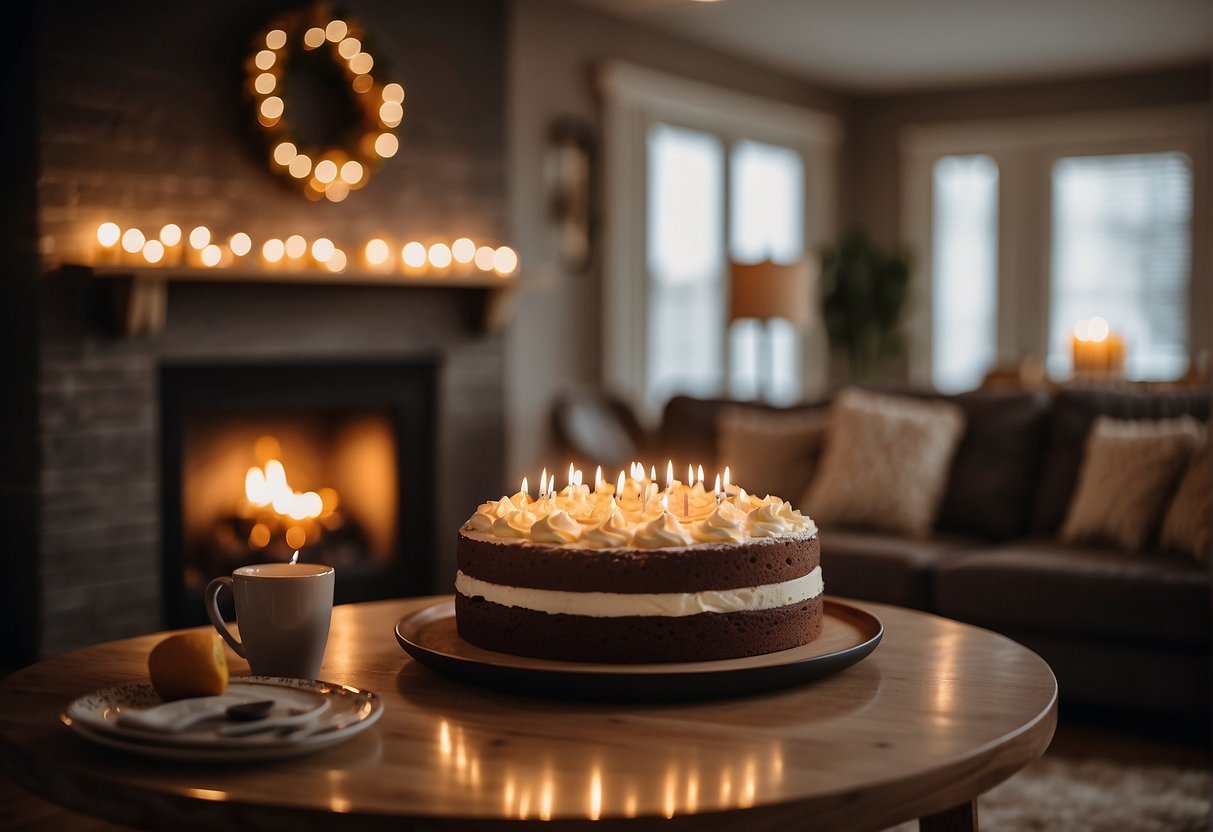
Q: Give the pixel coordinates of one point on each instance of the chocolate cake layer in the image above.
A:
(637, 639)
(705, 566)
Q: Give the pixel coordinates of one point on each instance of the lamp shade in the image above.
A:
(771, 290)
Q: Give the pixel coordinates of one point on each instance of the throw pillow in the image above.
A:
(771, 451)
(1186, 525)
(885, 464)
(1129, 470)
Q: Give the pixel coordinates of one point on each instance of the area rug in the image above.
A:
(1094, 795)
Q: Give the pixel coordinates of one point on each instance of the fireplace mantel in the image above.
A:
(138, 295)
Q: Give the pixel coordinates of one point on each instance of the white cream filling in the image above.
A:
(619, 604)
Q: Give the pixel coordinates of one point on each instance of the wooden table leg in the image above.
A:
(962, 818)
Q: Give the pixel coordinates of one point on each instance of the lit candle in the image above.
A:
(463, 251)
(543, 484)
(240, 244)
(572, 478)
(199, 239)
(378, 254)
(272, 251)
(413, 258)
(699, 473)
(295, 557)
(132, 242)
(170, 238)
(153, 251)
(726, 480)
(526, 492)
(598, 480)
(294, 248)
(716, 489)
(619, 486)
(669, 474)
(108, 234)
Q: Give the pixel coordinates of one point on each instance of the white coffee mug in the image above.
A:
(283, 611)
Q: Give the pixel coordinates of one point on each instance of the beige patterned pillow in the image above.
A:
(771, 451)
(1129, 470)
(1186, 526)
(886, 463)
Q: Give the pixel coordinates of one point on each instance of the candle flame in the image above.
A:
(716, 488)
(295, 557)
(653, 473)
(572, 475)
(619, 486)
(578, 478)
(699, 473)
(669, 474)
(690, 475)
(598, 479)
(727, 478)
(543, 483)
(525, 489)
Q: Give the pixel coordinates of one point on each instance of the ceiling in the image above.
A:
(872, 46)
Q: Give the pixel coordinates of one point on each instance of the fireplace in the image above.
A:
(332, 460)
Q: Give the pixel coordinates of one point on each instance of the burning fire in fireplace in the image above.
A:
(278, 510)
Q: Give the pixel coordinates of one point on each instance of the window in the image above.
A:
(685, 262)
(1037, 232)
(688, 331)
(766, 222)
(964, 265)
(694, 177)
(1122, 252)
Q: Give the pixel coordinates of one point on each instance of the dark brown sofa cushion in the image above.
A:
(1073, 413)
(997, 465)
(1041, 585)
(889, 568)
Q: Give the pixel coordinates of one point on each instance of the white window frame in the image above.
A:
(1025, 150)
(635, 98)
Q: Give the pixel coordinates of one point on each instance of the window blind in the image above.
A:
(1121, 250)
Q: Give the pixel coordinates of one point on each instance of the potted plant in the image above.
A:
(864, 290)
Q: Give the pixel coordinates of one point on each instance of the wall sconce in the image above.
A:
(568, 173)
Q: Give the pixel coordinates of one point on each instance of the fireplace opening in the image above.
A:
(332, 461)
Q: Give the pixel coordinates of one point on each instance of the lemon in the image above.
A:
(188, 664)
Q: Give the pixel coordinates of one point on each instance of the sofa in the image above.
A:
(1127, 630)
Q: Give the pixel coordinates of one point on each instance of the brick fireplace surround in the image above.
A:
(134, 114)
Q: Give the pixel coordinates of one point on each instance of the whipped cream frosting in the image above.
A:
(670, 604)
(639, 516)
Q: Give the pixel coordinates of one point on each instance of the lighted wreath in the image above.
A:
(329, 122)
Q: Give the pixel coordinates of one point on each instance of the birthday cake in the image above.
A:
(635, 574)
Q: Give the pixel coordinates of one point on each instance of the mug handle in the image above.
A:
(212, 612)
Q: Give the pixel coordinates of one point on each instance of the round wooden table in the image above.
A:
(938, 714)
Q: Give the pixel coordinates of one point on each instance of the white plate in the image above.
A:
(94, 717)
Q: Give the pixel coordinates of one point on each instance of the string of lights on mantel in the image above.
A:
(200, 249)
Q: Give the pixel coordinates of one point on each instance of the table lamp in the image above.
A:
(770, 290)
